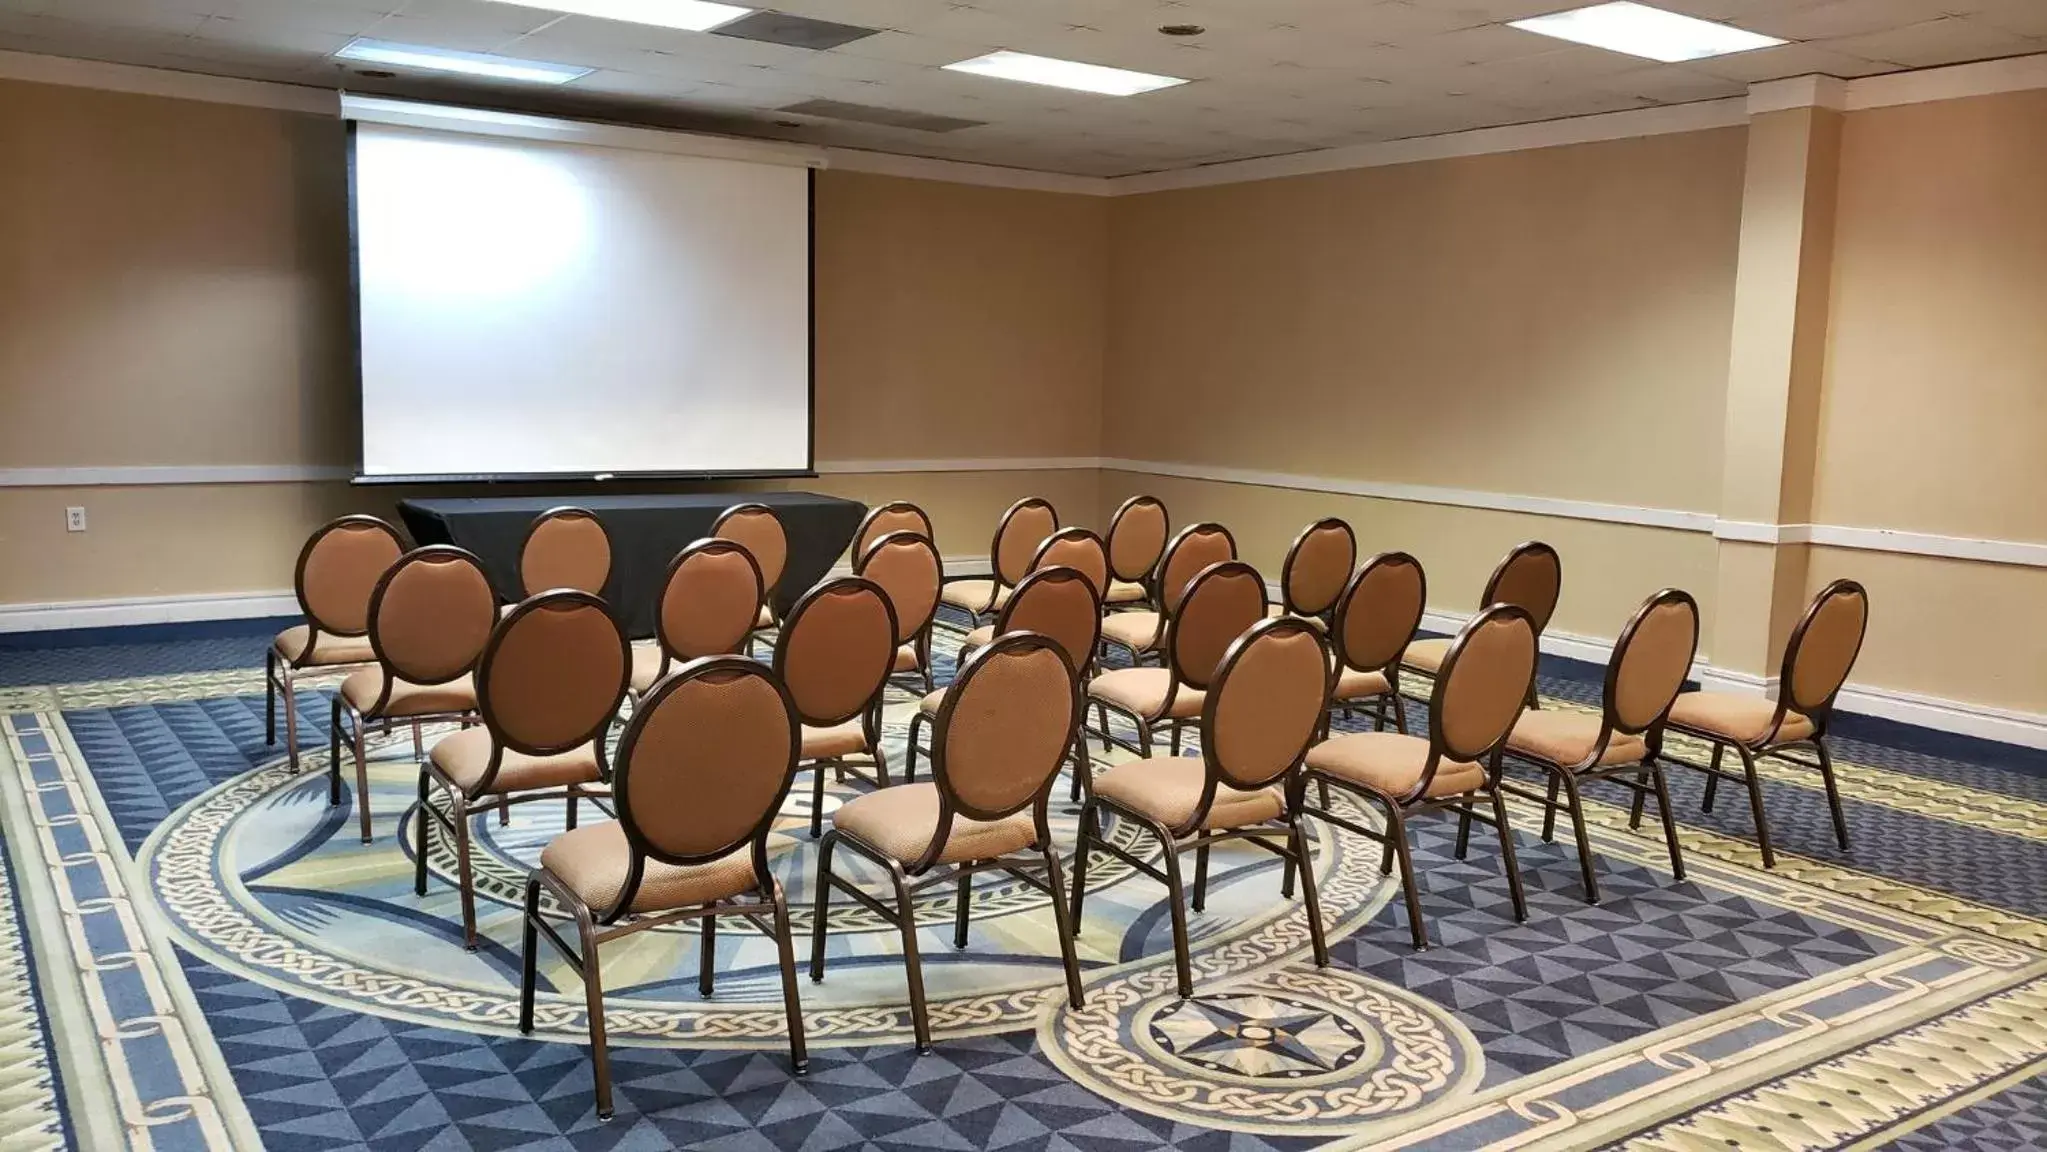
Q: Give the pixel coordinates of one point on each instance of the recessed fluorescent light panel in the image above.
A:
(462, 63)
(688, 15)
(1058, 73)
(1640, 30)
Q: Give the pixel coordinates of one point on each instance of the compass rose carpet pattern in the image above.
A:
(196, 952)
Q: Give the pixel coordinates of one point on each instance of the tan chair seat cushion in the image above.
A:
(1275, 611)
(901, 820)
(593, 861)
(932, 701)
(408, 699)
(1143, 691)
(1390, 764)
(1352, 684)
(979, 638)
(839, 740)
(906, 660)
(646, 665)
(1167, 790)
(975, 596)
(1134, 630)
(1729, 716)
(463, 757)
(765, 618)
(505, 610)
(328, 652)
(1124, 592)
(1426, 655)
(1566, 738)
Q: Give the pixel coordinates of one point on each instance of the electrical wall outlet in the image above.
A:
(74, 519)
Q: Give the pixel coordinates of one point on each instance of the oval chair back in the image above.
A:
(1058, 603)
(430, 617)
(1196, 548)
(1379, 612)
(836, 650)
(1650, 662)
(1264, 708)
(1003, 733)
(565, 548)
(1079, 549)
(551, 678)
(759, 531)
(1822, 651)
(907, 568)
(1317, 567)
(1222, 603)
(1530, 577)
(887, 519)
(703, 768)
(338, 571)
(1137, 538)
(709, 602)
(1480, 689)
(1017, 536)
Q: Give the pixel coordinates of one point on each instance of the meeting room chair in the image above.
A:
(703, 768)
(1480, 691)
(884, 519)
(1017, 536)
(1220, 604)
(835, 654)
(1375, 618)
(1257, 721)
(1622, 741)
(1137, 538)
(1006, 725)
(430, 616)
(565, 547)
(1817, 659)
(1530, 577)
(1075, 548)
(710, 603)
(1058, 602)
(338, 569)
(907, 567)
(1141, 632)
(759, 530)
(548, 684)
(1317, 567)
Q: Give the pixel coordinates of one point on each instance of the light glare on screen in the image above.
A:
(471, 219)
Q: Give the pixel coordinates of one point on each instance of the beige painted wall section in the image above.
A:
(1934, 416)
(1551, 322)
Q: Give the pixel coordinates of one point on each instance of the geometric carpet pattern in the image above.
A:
(1892, 995)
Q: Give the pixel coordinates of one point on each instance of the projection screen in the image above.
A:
(536, 308)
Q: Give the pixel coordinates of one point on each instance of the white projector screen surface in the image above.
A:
(532, 308)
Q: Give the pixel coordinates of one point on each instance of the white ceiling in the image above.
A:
(1270, 76)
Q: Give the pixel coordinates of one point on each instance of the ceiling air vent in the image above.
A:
(887, 117)
(792, 31)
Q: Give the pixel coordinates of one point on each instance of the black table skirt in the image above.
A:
(646, 533)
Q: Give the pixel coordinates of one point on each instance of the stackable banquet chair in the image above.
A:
(338, 569)
(884, 519)
(1375, 618)
(834, 655)
(1529, 577)
(1017, 536)
(1257, 720)
(1141, 632)
(710, 604)
(996, 746)
(1220, 605)
(430, 616)
(1817, 659)
(907, 567)
(1075, 548)
(1480, 689)
(548, 684)
(1621, 742)
(759, 530)
(565, 547)
(702, 771)
(1317, 567)
(1137, 538)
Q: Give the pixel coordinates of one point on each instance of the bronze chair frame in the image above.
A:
(920, 639)
(1391, 668)
(1038, 564)
(770, 589)
(868, 713)
(540, 522)
(596, 927)
(1818, 715)
(1490, 597)
(709, 544)
(908, 881)
(280, 674)
(1143, 578)
(1179, 678)
(1157, 603)
(995, 572)
(1287, 581)
(1641, 779)
(1400, 809)
(1175, 840)
(462, 804)
(862, 540)
(342, 708)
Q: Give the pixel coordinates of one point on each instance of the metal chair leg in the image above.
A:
(1507, 854)
(1464, 829)
(593, 995)
(913, 964)
(1549, 810)
(1712, 779)
(362, 782)
(1833, 794)
(1585, 868)
(1183, 964)
(1635, 804)
(1396, 830)
(270, 696)
(424, 843)
(708, 963)
(1067, 932)
(1090, 818)
(1309, 895)
(1201, 877)
(529, 969)
(288, 689)
(961, 909)
(817, 772)
(458, 810)
(1755, 803)
(1677, 861)
(792, 1006)
(334, 755)
(818, 919)
(910, 751)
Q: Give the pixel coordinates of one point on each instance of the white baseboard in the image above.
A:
(50, 616)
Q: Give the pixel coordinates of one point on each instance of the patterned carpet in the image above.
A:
(196, 952)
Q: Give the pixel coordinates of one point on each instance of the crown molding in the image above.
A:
(1813, 91)
(962, 172)
(1954, 82)
(141, 81)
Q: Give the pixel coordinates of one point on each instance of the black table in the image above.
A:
(646, 533)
